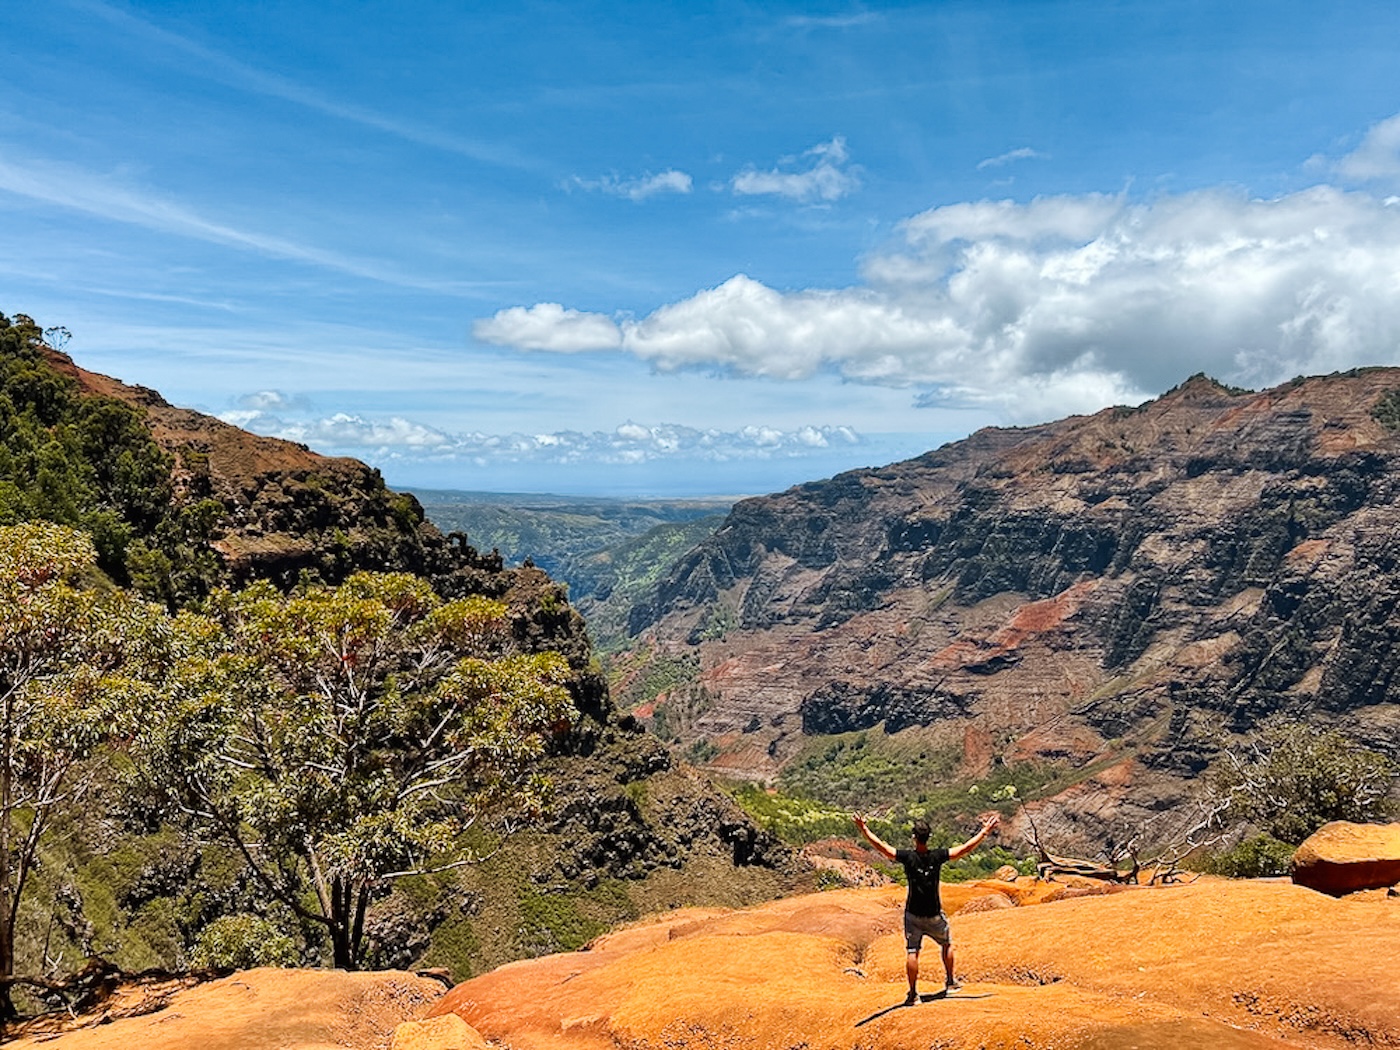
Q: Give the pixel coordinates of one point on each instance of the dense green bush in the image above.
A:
(90, 462)
(1255, 857)
(240, 942)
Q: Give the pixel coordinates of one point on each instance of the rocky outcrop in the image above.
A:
(281, 508)
(1342, 857)
(1136, 585)
(265, 1007)
(828, 972)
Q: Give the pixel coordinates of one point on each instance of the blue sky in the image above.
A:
(673, 249)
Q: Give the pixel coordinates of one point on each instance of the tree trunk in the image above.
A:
(346, 923)
(8, 890)
(7, 967)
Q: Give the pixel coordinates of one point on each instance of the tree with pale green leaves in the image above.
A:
(1290, 778)
(76, 661)
(341, 737)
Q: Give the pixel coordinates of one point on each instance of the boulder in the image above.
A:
(1342, 857)
(448, 1032)
(1006, 873)
(987, 902)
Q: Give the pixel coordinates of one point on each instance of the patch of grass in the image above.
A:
(1386, 410)
(797, 821)
(655, 673)
(454, 946)
(868, 768)
(554, 922)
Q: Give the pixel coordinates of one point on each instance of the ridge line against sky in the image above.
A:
(676, 250)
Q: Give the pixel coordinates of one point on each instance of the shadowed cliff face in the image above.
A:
(1123, 586)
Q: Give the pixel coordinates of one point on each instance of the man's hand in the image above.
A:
(881, 847)
(989, 824)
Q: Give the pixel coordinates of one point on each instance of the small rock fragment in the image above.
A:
(448, 1032)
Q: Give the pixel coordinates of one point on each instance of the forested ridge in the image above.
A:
(257, 710)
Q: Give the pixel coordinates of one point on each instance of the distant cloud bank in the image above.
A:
(629, 443)
(1058, 305)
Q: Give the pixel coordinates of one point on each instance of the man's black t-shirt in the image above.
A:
(922, 871)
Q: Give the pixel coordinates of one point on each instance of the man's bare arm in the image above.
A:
(964, 848)
(881, 846)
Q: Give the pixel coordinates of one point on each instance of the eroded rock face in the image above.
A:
(1342, 857)
(1122, 586)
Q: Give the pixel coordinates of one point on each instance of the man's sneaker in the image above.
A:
(911, 998)
(952, 986)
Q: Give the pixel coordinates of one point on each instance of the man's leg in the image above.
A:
(911, 970)
(952, 982)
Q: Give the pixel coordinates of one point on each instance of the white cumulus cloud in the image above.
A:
(822, 174)
(341, 432)
(1057, 305)
(548, 326)
(1378, 156)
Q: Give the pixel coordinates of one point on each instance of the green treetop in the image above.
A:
(343, 736)
(73, 663)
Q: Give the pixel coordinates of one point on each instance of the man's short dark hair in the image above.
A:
(921, 830)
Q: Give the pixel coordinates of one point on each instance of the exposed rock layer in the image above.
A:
(1116, 588)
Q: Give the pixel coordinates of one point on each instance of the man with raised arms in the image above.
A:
(923, 910)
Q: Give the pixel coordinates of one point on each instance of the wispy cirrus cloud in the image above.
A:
(849, 21)
(1001, 160)
(112, 198)
(215, 65)
(820, 174)
(1057, 305)
(640, 187)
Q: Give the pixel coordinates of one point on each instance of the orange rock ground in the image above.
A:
(1216, 964)
(262, 1009)
(1237, 966)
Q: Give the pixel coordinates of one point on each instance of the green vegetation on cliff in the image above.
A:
(242, 729)
(90, 462)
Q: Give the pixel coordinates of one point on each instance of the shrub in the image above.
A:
(241, 942)
(1256, 857)
(1291, 779)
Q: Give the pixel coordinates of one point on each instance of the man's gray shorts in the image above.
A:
(917, 927)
